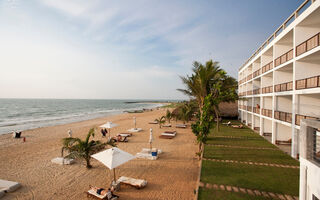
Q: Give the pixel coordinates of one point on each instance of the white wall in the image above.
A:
(283, 132)
(267, 126)
(266, 81)
(310, 175)
(282, 76)
(306, 69)
(267, 57)
(284, 103)
(309, 105)
(256, 84)
(302, 33)
(267, 103)
(256, 121)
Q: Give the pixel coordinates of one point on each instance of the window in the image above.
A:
(316, 146)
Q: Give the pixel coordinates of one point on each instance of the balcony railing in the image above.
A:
(284, 87)
(256, 91)
(307, 83)
(256, 110)
(309, 44)
(299, 117)
(284, 58)
(266, 112)
(267, 90)
(242, 94)
(267, 67)
(256, 73)
(249, 77)
(283, 116)
(249, 92)
(249, 108)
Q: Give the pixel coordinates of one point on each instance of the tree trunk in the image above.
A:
(88, 163)
(217, 115)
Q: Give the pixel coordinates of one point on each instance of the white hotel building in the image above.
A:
(280, 84)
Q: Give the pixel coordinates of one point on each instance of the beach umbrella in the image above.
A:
(113, 158)
(150, 139)
(135, 123)
(109, 125)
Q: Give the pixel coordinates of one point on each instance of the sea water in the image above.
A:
(23, 114)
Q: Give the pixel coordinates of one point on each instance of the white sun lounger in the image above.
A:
(153, 122)
(93, 193)
(9, 186)
(181, 126)
(134, 130)
(137, 183)
(166, 125)
(63, 161)
(146, 156)
(125, 134)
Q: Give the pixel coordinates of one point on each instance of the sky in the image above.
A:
(124, 49)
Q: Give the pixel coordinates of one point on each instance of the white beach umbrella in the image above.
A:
(109, 125)
(113, 158)
(150, 139)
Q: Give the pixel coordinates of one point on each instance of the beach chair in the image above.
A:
(137, 183)
(168, 135)
(92, 193)
(181, 126)
(125, 134)
(134, 130)
(63, 161)
(153, 122)
(166, 125)
(237, 126)
(9, 186)
(119, 139)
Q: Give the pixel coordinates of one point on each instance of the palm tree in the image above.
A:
(185, 112)
(161, 120)
(199, 84)
(83, 149)
(169, 116)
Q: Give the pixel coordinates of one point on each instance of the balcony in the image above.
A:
(284, 58)
(249, 92)
(307, 83)
(256, 91)
(256, 73)
(299, 117)
(283, 116)
(266, 90)
(249, 77)
(284, 87)
(266, 112)
(256, 110)
(307, 45)
(249, 108)
(267, 67)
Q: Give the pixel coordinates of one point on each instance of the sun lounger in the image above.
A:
(237, 126)
(137, 183)
(125, 134)
(153, 122)
(166, 125)
(9, 186)
(63, 161)
(181, 126)
(166, 136)
(134, 130)
(121, 139)
(284, 142)
(146, 156)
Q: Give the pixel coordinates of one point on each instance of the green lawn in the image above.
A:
(270, 179)
(240, 142)
(218, 195)
(263, 178)
(256, 155)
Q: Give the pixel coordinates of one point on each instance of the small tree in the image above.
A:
(161, 120)
(83, 149)
(204, 123)
(168, 116)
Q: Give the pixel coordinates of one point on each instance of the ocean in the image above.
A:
(23, 114)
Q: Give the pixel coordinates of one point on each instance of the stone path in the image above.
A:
(253, 163)
(248, 191)
(238, 137)
(242, 147)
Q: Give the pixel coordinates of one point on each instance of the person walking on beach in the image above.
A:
(70, 133)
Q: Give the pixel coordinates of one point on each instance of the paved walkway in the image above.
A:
(248, 191)
(253, 163)
(242, 147)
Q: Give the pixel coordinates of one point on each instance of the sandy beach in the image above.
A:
(172, 176)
